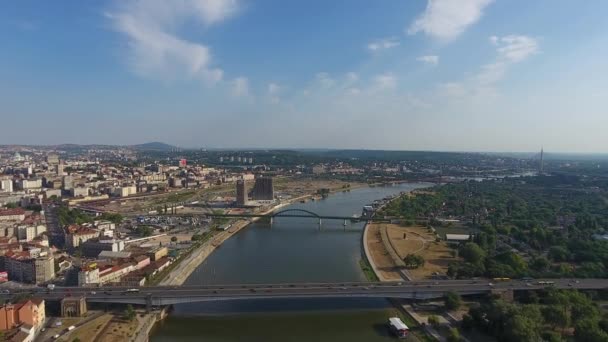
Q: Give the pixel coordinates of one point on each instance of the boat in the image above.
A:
(397, 327)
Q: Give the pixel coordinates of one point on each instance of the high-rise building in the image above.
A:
(263, 189)
(68, 182)
(59, 168)
(52, 159)
(241, 192)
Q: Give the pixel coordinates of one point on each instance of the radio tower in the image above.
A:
(542, 165)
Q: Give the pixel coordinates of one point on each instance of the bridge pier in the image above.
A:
(320, 221)
(271, 221)
(148, 303)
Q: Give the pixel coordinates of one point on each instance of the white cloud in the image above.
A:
(510, 50)
(383, 44)
(324, 80)
(447, 19)
(517, 48)
(431, 60)
(352, 77)
(213, 11)
(240, 87)
(154, 47)
(273, 91)
(385, 81)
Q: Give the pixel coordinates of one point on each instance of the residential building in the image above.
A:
(79, 192)
(6, 185)
(30, 313)
(29, 184)
(27, 233)
(44, 268)
(87, 276)
(78, 234)
(16, 214)
(92, 248)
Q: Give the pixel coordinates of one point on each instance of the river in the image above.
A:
(291, 250)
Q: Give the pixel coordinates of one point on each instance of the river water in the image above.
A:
(289, 250)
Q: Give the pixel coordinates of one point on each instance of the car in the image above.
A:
(343, 288)
(251, 290)
(490, 284)
(93, 292)
(215, 291)
(570, 284)
(474, 282)
(528, 284)
(366, 288)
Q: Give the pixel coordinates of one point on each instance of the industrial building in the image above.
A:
(263, 189)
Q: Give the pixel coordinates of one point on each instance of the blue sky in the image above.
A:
(477, 75)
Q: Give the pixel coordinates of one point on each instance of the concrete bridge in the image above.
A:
(164, 295)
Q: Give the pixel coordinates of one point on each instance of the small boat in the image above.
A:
(397, 327)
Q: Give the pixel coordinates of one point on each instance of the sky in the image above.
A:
(446, 75)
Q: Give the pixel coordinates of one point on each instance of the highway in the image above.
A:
(166, 295)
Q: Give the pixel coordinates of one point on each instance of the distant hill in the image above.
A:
(154, 146)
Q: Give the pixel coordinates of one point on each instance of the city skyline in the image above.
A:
(487, 75)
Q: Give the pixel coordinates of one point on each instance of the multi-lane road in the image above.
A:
(166, 295)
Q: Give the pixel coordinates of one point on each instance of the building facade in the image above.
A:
(263, 190)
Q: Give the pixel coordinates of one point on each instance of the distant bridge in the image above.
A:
(300, 213)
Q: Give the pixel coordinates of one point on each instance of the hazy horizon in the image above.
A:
(420, 75)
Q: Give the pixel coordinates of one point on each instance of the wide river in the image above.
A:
(291, 250)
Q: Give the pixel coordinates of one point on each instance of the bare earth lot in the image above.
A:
(403, 241)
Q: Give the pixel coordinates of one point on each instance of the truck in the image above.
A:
(71, 327)
(50, 287)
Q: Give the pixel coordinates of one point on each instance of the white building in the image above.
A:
(28, 233)
(6, 185)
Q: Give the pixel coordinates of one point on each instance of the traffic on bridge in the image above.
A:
(167, 295)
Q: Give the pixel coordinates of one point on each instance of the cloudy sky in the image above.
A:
(478, 75)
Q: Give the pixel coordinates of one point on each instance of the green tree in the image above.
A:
(559, 253)
(557, 316)
(472, 253)
(587, 330)
(130, 313)
(454, 335)
(452, 301)
(520, 329)
(174, 238)
(413, 260)
(433, 320)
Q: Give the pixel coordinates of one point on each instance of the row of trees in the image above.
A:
(549, 318)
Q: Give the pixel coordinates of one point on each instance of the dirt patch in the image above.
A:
(380, 256)
(419, 240)
(91, 330)
(118, 330)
